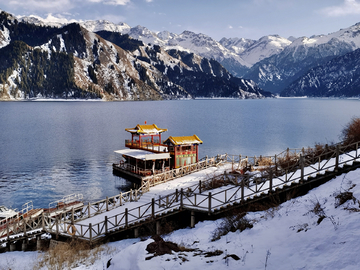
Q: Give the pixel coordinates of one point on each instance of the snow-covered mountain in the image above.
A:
(252, 51)
(278, 71)
(273, 62)
(237, 55)
(72, 62)
(340, 77)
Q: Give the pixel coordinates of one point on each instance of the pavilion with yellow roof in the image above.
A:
(146, 154)
(183, 150)
(143, 136)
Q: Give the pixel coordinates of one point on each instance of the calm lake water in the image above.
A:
(52, 149)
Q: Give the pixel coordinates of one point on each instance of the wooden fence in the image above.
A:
(239, 189)
(233, 187)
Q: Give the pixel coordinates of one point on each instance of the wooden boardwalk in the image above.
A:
(228, 188)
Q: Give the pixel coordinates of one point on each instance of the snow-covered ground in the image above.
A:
(291, 236)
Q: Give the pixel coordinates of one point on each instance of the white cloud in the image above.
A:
(112, 2)
(347, 8)
(59, 5)
(44, 5)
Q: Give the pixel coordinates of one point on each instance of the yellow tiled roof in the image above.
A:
(183, 140)
(146, 129)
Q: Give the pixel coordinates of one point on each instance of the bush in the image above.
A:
(231, 224)
(289, 160)
(67, 255)
(351, 132)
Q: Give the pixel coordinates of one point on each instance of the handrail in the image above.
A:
(212, 201)
(194, 197)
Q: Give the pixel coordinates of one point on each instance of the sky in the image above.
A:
(249, 19)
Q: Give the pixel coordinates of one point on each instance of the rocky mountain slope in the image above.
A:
(272, 62)
(42, 61)
(278, 71)
(339, 77)
(237, 55)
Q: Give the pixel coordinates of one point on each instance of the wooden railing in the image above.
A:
(235, 188)
(239, 191)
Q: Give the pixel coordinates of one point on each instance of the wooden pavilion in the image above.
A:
(147, 155)
(183, 150)
(146, 137)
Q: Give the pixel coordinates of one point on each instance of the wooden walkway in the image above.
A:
(226, 189)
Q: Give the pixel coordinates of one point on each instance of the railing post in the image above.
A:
(89, 214)
(106, 224)
(72, 215)
(43, 221)
(153, 208)
(181, 198)
(242, 190)
(120, 198)
(337, 158)
(200, 186)
(302, 168)
(107, 203)
(57, 227)
(209, 206)
(8, 231)
(90, 232)
(176, 195)
(271, 181)
(126, 218)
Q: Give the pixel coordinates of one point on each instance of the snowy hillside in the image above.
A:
(315, 231)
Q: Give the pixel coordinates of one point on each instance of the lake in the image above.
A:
(52, 149)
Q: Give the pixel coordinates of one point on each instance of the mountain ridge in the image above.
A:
(272, 62)
(102, 69)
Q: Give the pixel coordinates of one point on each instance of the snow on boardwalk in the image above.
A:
(160, 190)
(162, 199)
